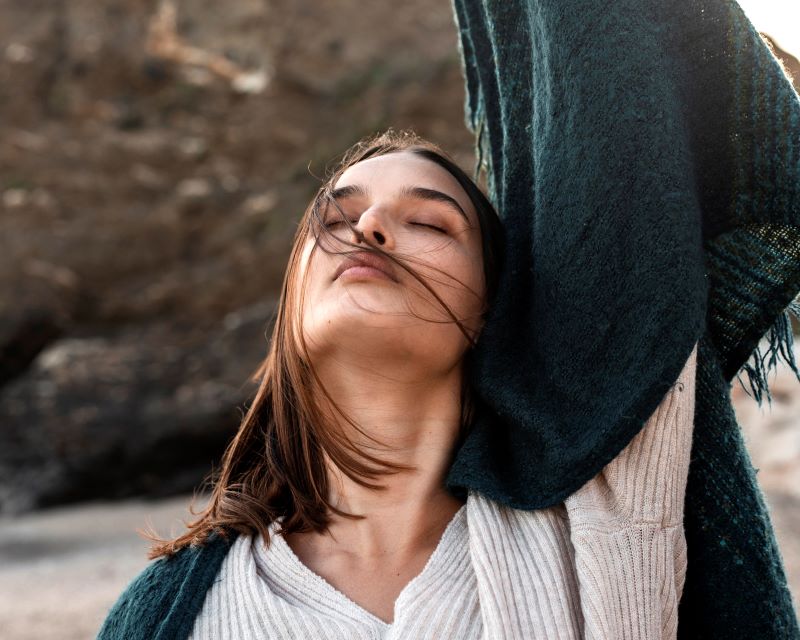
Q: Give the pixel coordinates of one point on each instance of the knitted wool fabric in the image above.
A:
(163, 600)
(629, 146)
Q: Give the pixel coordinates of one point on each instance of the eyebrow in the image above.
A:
(349, 191)
(420, 193)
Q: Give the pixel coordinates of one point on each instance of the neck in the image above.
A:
(415, 415)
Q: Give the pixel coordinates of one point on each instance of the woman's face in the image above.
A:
(405, 205)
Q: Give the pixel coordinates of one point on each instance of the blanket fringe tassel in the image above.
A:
(780, 345)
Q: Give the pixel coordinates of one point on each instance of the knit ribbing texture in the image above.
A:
(608, 563)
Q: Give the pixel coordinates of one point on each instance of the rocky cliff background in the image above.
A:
(154, 160)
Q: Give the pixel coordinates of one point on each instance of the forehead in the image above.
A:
(388, 174)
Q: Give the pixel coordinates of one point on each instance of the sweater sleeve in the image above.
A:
(626, 525)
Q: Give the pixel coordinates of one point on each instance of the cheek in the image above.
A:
(472, 294)
(306, 284)
(310, 267)
(458, 281)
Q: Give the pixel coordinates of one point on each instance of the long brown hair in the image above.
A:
(275, 465)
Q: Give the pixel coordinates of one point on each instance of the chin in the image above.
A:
(397, 338)
(381, 318)
(364, 300)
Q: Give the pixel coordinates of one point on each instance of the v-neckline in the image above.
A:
(288, 558)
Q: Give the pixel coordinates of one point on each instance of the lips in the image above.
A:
(362, 258)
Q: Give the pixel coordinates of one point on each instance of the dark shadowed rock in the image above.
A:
(36, 309)
(143, 410)
(22, 338)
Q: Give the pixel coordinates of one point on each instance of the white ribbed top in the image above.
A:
(607, 563)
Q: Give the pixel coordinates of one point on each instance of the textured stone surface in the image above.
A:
(145, 411)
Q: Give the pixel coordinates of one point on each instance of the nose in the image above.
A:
(372, 227)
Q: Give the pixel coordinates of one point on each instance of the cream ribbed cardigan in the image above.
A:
(608, 563)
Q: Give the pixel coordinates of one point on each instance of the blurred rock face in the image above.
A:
(138, 186)
(154, 160)
(143, 410)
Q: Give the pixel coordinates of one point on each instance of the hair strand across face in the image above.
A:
(276, 464)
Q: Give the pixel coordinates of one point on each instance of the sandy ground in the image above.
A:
(61, 569)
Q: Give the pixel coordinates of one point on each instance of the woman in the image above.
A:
(392, 272)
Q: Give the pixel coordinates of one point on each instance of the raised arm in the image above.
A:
(627, 525)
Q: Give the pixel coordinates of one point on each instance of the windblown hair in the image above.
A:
(275, 465)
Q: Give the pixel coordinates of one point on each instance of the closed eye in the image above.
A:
(333, 223)
(430, 226)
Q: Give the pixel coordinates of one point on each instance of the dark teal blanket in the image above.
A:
(645, 158)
